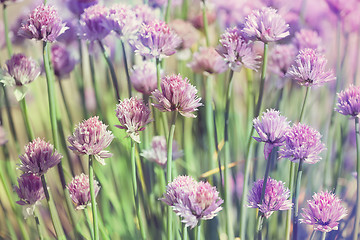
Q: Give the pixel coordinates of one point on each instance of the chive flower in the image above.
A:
(349, 101)
(281, 57)
(62, 61)
(143, 77)
(307, 38)
(207, 61)
(77, 7)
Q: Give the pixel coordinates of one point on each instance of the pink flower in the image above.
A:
(349, 101)
(280, 59)
(143, 77)
(207, 61)
(307, 38)
(185, 30)
(123, 20)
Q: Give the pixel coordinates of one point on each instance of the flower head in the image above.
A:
(90, 137)
(158, 151)
(302, 143)
(177, 94)
(309, 69)
(39, 157)
(275, 197)
(79, 190)
(266, 25)
(349, 101)
(185, 30)
(207, 61)
(133, 116)
(324, 212)
(281, 58)
(62, 61)
(43, 23)
(143, 77)
(145, 13)
(236, 51)
(123, 20)
(307, 38)
(78, 6)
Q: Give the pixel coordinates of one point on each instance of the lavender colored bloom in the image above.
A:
(272, 129)
(302, 143)
(30, 192)
(39, 157)
(185, 30)
(79, 190)
(156, 40)
(158, 151)
(341, 7)
(207, 61)
(78, 6)
(62, 61)
(177, 94)
(281, 58)
(236, 51)
(198, 20)
(324, 212)
(133, 116)
(123, 20)
(177, 189)
(17, 39)
(275, 198)
(143, 77)
(307, 38)
(43, 23)
(94, 23)
(349, 101)
(309, 69)
(71, 35)
(163, 3)
(266, 25)
(3, 137)
(90, 137)
(145, 13)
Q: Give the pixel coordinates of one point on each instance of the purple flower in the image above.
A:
(207, 61)
(341, 7)
(309, 69)
(133, 116)
(236, 51)
(163, 3)
(177, 94)
(79, 190)
(78, 6)
(281, 58)
(302, 143)
(349, 101)
(62, 61)
(3, 137)
(90, 137)
(307, 38)
(43, 23)
(145, 13)
(272, 129)
(158, 151)
(94, 23)
(266, 25)
(143, 77)
(275, 197)
(123, 20)
(39, 157)
(156, 40)
(324, 212)
(185, 30)
(30, 192)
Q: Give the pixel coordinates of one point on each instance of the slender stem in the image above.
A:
(112, 70)
(185, 7)
(357, 215)
(95, 85)
(312, 235)
(93, 200)
(262, 80)
(68, 112)
(323, 235)
(126, 68)
(185, 232)
(167, 13)
(198, 234)
(260, 221)
(288, 213)
(266, 175)
(88, 220)
(209, 120)
(304, 103)
(25, 114)
(158, 73)
(205, 22)
(6, 30)
(80, 80)
(38, 226)
(296, 199)
(217, 146)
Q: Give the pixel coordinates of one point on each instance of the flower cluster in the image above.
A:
(308, 39)
(185, 30)
(78, 6)
(123, 20)
(207, 61)
(143, 77)
(281, 58)
(349, 101)
(62, 61)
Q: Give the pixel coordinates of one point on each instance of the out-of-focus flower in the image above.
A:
(185, 30)
(302, 143)
(191, 200)
(309, 69)
(156, 40)
(71, 35)
(307, 38)
(177, 94)
(3, 137)
(272, 129)
(349, 101)
(236, 51)
(79, 190)
(90, 137)
(133, 116)
(62, 62)
(145, 13)
(30, 192)
(158, 151)
(143, 77)
(341, 7)
(39, 157)
(163, 3)
(265, 25)
(324, 212)
(276, 197)
(78, 6)
(17, 39)
(43, 23)
(207, 61)
(198, 20)
(280, 59)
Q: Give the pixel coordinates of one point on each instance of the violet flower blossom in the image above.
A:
(145, 13)
(62, 62)
(281, 58)
(78, 6)
(307, 38)
(143, 77)
(349, 101)
(207, 61)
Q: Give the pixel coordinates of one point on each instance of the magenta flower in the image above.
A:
(78, 6)
(123, 20)
(324, 212)
(265, 25)
(90, 137)
(307, 38)
(79, 190)
(143, 77)
(179, 187)
(133, 116)
(281, 58)
(349, 101)
(158, 151)
(185, 30)
(272, 129)
(30, 192)
(309, 69)
(39, 157)
(207, 61)
(302, 143)
(276, 197)
(156, 40)
(236, 51)
(43, 23)
(62, 61)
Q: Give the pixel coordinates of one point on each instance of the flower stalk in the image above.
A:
(93, 200)
(296, 199)
(357, 215)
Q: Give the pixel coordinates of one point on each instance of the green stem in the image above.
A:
(209, 120)
(126, 68)
(6, 30)
(259, 225)
(88, 220)
(167, 13)
(323, 236)
(198, 234)
(357, 215)
(25, 114)
(266, 175)
(296, 199)
(38, 226)
(158, 73)
(312, 235)
(95, 85)
(67, 109)
(184, 232)
(205, 21)
(185, 7)
(93, 200)
(304, 103)
(262, 80)
(80, 80)
(288, 213)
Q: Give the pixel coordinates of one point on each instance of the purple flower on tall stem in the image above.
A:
(39, 157)
(307, 38)
(143, 77)
(324, 212)
(276, 197)
(177, 94)
(265, 25)
(90, 137)
(63, 63)
(79, 191)
(133, 116)
(349, 101)
(309, 69)
(281, 58)
(78, 6)
(43, 23)
(207, 61)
